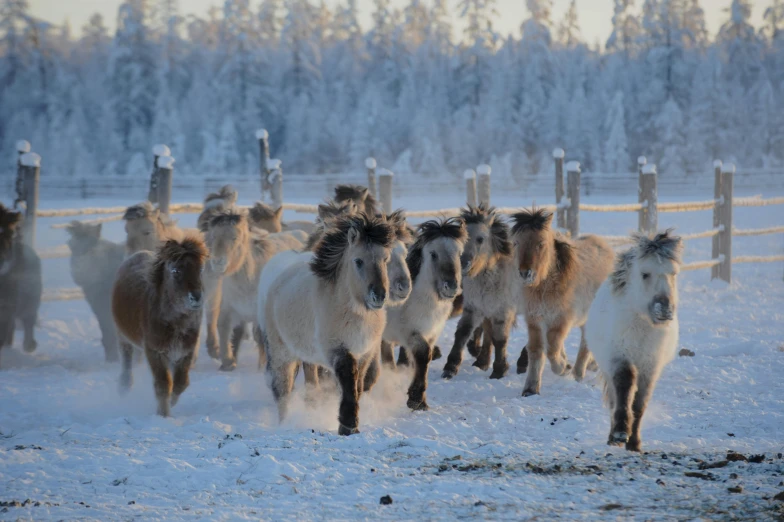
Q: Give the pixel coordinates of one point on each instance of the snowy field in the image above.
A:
(72, 448)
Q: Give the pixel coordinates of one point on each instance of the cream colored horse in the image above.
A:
(147, 228)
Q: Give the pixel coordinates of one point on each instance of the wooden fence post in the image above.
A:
(470, 179)
(30, 163)
(385, 189)
(715, 251)
(483, 184)
(560, 214)
(650, 198)
(163, 175)
(158, 151)
(276, 182)
(370, 164)
(22, 148)
(725, 221)
(573, 193)
(641, 217)
(264, 156)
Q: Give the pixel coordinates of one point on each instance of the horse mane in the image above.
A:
(330, 249)
(534, 219)
(261, 212)
(499, 230)
(662, 245)
(450, 228)
(402, 231)
(80, 229)
(139, 211)
(332, 208)
(228, 218)
(225, 197)
(174, 251)
(358, 194)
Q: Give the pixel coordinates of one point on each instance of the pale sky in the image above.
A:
(595, 15)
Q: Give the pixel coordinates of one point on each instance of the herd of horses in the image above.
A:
(334, 297)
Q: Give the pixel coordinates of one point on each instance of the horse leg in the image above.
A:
(213, 298)
(583, 358)
(475, 344)
(417, 392)
(436, 353)
(522, 361)
(159, 366)
(388, 354)
(533, 381)
(624, 383)
(126, 377)
(483, 359)
(108, 334)
(346, 369)
(501, 329)
(369, 369)
(181, 377)
(644, 390)
(228, 362)
(556, 334)
(310, 372)
(28, 321)
(259, 339)
(465, 327)
(402, 357)
(237, 335)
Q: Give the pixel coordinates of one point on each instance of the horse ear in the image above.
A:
(548, 219)
(96, 230)
(11, 219)
(353, 236)
(155, 213)
(278, 213)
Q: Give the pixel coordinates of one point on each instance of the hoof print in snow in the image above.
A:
(686, 353)
(714, 465)
(611, 507)
(117, 482)
(757, 459)
(703, 476)
(735, 489)
(661, 483)
(386, 500)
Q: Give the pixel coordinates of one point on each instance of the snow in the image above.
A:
(483, 169)
(728, 168)
(23, 146)
(161, 150)
(274, 164)
(262, 134)
(717, 164)
(650, 168)
(165, 162)
(385, 172)
(641, 161)
(30, 159)
(370, 163)
(573, 166)
(469, 174)
(558, 153)
(71, 443)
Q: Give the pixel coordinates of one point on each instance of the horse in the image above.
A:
(632, 330)
(491, 289)
(215, 203)
(147, 228)
(359, 196)
(560, 278)
(157, 306)
(94, 263)
(330, 312)
(328, 213)
(434, 263)
(270, 219)
(237, 255)
(20, 282)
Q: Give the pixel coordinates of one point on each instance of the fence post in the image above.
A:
(650, 197)
(264, 155)
(470, 179)
(163, 175)
(385, 189)
(275, 167)
(30, 164)
(725, 221)
(560, 214)
(370, 164)
(641, 217)
(573, 193)
(22, 148)
(716, 215)
(483, 184)
(158, 151)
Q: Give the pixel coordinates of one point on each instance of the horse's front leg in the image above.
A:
(346, 369)
(624, 383)
(422, 354)
(228, 362)
(369, 370)
(108, 333)
(483, 358)
(533, 381)
(475, 344)
(402, 357)
(237, 335)
(28, 322)
(465, 328)
(162, 379)
(258, 338)
(183, 366)
(212, 311)
(126, 377)
(584, 357)
(501, 327)
(556, 335)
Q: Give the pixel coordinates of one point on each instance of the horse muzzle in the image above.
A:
(218, 265)
(195, 300)
(402, 289)
(528, 276)
(375, 300)
(448, 289)
(661, 312)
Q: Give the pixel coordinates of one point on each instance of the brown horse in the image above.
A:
(157, 306)
(20, 282)
(267, 218)
(560, 278)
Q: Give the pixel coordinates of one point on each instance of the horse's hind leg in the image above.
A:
(237, 335)
(311, 374)
(501, 329)
(583, 358)
(417, 392)
(522, 361)
(624, 383)
(181, 377)
(28, 321)
(475, 343)
(346, 369)
(556, 334)
(483, 359)
(464, 329)
(387, 354)
(126, 377)
(402, 357)
(162, 378)
(259, 339)
(369, 370)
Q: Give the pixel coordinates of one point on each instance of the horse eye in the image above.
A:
(480, 240)
(147, 233)
(359, 263)
(433, 256)
(645, 276)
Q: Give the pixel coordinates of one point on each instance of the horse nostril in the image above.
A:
(195, 297)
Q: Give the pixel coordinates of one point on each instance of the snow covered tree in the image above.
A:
(625, 28)
(669, 147)
(569, 28)
(616, 148)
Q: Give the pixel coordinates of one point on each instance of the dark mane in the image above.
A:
(498, 227)
(662, 245)
(402, 231)
(331, 208)
(261, 212)
(175, 251)
(534, 219)
(358, 194)
(450, 228)
(226, 197)
(227, 219)
(329, 251)
(620, 275)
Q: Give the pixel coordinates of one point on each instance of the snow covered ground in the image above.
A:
(77, 450)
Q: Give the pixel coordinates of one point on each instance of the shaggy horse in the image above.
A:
(20, 282)
(632, 330)
(266, 218)
(237, 255)
(491, 288)
(434, 262)
(560, 277)
(330, 312)
(94, 264)
(147, 228)
(216, 203)
(156, 304)
(360, 196)
(328, 213)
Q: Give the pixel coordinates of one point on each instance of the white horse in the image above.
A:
(632, 330)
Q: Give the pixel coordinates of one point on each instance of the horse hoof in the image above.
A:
(499, 373)
(578, 376)
(30, 346)
(593, 366)
(474, 351)
(174, 400)
(436, 353)
(213, 351)
(416, 405)
(634, 445)
(228, 366)
(482, 365)
(618, 438)
(345, 430)
(449, 372)
(126, 381)
(522, 368)
(529, 392)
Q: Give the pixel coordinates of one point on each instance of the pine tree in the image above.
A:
(616, 148)
(569, 29)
